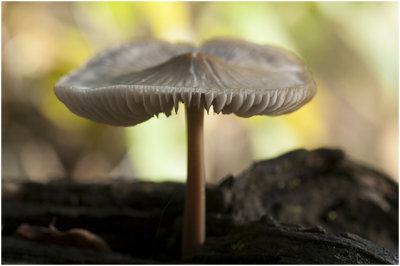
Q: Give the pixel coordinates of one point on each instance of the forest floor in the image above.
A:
(304, 207)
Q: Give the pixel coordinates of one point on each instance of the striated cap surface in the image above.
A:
(130, 84)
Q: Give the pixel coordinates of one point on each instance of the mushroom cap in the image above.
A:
(132, 83)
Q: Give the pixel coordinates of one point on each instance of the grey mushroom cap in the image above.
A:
(132, 83)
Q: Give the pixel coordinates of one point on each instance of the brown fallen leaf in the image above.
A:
(75, 237)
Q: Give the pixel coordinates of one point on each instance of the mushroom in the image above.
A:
(130, 84)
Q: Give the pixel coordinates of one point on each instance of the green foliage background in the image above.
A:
(351, 48)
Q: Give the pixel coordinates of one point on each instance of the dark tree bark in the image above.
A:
(17, 251)
(307, 189)
(268, 242)
(319, 187)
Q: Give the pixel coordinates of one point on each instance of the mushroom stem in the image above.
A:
(194, 212)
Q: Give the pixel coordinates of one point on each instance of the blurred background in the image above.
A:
(351, 48)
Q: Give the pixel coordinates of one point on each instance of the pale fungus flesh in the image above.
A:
(130, 84)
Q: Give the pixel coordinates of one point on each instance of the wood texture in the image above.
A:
(287, 202)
